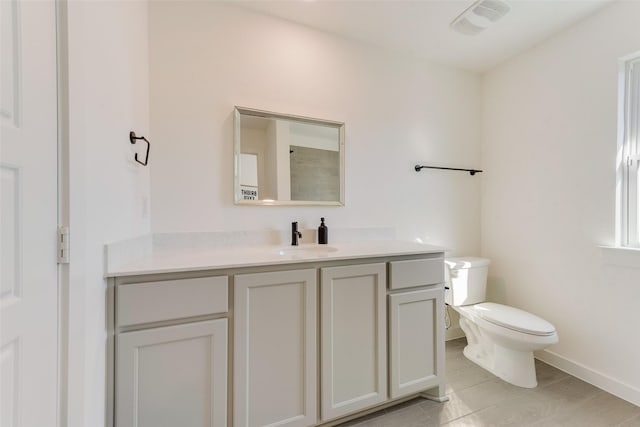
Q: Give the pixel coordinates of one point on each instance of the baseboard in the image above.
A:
(453, 333)
(598, 379)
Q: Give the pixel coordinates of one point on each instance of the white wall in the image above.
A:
(548, 195)
(109, 193)
(206, 57)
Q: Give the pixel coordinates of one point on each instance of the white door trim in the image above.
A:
(62, 93)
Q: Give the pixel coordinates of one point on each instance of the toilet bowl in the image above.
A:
(500, 338)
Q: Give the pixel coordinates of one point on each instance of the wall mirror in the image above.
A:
(282, 159)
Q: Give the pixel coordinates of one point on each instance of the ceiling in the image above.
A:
(421, 27)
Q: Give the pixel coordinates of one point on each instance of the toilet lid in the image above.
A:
(513, 318)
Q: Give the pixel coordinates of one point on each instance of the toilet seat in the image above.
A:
(513, 318)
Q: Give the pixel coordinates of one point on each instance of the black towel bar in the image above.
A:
(471, 171)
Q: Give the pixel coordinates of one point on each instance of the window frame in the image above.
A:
(629, 159)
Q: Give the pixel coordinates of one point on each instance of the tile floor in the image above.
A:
(479, 399)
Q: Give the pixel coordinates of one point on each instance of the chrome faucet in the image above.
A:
(295, 234)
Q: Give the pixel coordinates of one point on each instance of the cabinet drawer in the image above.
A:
(170, 299)
(416, 272)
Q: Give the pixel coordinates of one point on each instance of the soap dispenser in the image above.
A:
(323, 233)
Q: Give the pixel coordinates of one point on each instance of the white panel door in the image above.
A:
(416, 338)
(354, 338)
(172, 376)
(275, 360)
(28, 214)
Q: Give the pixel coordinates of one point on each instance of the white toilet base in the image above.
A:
(513, 366)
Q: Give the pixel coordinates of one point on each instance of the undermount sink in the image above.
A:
(306, 250)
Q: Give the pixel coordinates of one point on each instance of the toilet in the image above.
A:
(500, 338)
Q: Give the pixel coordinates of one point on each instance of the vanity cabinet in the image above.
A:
(354, 338)
(275, 354)
(170, 365)
(310, 343)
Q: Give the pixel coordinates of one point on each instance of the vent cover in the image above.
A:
(479, 16)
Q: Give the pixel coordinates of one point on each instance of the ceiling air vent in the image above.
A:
(480, 15)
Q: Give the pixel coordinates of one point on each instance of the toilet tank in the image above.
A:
(466, 278)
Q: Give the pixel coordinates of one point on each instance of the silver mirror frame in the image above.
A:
(238, 200)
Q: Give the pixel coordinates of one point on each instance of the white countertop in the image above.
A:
(165, 259)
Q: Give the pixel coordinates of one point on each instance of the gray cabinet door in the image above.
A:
(354, 338)
(275, 354)
(172, 376)
(416, 336)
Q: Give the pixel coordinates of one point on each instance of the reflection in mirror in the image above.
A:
(287, 160)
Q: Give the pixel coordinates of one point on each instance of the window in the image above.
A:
(629, 161)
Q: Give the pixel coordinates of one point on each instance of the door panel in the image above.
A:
(9, 66)
(9, 227)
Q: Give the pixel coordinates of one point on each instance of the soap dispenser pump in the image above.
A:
(323, 233)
